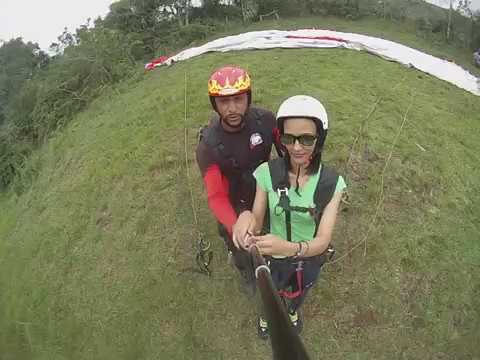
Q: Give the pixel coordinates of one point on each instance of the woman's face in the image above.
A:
(299, 137)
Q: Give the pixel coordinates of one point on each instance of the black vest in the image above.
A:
(239, 173)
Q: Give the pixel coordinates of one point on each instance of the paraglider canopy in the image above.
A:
(315, 38)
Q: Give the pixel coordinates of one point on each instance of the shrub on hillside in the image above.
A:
(13, 154)
(214, 10)
(345, 9)
(186, 35)
(47, 102)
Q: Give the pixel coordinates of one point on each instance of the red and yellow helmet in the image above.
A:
(229, 80)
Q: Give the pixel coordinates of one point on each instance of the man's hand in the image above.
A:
(243, 229)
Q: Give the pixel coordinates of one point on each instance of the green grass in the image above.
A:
(96, 244)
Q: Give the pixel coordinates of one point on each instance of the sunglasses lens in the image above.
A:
(307, 140)
(287, 139)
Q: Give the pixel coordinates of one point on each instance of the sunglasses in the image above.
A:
(304, 139)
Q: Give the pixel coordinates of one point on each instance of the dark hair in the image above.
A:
(314, 165)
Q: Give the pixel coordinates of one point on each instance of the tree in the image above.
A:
(449, 25)
(150, 20)
(18, 63)
(465, 8)
(65, 40)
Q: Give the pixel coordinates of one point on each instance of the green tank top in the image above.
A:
(303, 225)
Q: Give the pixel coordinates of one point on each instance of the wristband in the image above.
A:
(307, 249)
(299, 251)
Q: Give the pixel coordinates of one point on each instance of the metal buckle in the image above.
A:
(330, 253)
(283, 191)
(204, 256)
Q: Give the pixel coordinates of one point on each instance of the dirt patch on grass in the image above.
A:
(104, 220)
(366, 318)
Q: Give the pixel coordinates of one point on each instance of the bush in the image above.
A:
(13, 154)
(346, 9)
(214, 10)
(185, 35)
(55, 94)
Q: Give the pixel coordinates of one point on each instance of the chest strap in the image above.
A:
(324, 192)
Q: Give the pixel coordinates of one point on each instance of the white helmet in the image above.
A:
(303, 106)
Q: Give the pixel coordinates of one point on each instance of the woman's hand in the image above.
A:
(242, 229)
(273, 245)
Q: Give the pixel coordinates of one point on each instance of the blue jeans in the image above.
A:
(284, 276)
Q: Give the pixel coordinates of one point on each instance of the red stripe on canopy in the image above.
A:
(330, 38)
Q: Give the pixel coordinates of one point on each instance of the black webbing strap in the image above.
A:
(280, 184)
(324, 192)
(284, 204)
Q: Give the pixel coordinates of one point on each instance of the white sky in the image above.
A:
(44, 21)
(446, 3)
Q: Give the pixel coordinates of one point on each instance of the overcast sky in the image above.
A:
(44, 21)
(446, 3)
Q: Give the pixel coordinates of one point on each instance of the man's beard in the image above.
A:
(237, 123)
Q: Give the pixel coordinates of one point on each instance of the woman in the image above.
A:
(301, 220)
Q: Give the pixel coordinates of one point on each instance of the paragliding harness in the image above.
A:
(242, 183)
(323, 194)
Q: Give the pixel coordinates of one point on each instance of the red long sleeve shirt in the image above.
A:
(217, 187)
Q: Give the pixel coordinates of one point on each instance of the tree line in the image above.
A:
(40, 92)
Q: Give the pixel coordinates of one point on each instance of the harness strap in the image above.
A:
(300, 275)
(284, 204)
(300, 290)
(288, 224)
(241, 180)
(324, 192)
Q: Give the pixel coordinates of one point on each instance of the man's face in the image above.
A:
(232, 108)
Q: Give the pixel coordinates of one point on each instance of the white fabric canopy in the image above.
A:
(312, 38)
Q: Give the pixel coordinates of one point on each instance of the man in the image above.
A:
(237, 140)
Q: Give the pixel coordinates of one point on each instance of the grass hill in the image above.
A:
(97, 237)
